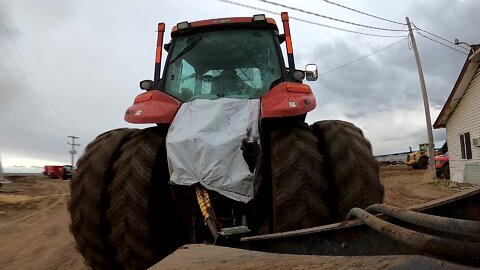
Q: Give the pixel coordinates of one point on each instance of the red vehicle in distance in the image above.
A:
(442, 166)
(63, 172)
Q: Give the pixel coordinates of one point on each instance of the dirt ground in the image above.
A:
(34, 221)
(406, 187)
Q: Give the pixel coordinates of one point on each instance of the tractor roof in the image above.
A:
(257, 21)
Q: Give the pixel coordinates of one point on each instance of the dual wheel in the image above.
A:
(320, 172)
(121, 204)
(123, 211)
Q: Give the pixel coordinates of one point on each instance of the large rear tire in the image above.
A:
(142, 212)
(299, 189)
(446, 171)
(353, 171)
(422, 163)
(89, 199)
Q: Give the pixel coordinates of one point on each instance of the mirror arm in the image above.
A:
(157, 84)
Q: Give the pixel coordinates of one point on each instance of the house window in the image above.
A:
(465, 146)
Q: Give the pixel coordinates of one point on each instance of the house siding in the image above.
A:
(465, 118)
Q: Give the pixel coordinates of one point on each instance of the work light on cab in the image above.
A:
(259, 18)
(183, 25)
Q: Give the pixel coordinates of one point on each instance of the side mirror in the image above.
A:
(146, 85)
(311, 72)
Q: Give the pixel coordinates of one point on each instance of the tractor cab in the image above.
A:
(423, 148)
(230, 63)
(237, 58)
(229, 57)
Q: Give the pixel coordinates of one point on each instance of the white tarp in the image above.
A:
(203, 145)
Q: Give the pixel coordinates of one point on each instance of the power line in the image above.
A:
(307, 21)
(8, 75)
(331, 18)
(343, 21)
(361, 58)
(443, 44)
(72, 152)
(40, 95)
(5, 71)
(363, 13)
(345, 30)
(437, 36)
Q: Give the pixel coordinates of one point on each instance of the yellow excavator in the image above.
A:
(418, 159)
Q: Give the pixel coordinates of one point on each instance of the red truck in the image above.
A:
(58, 171)
(442, 166)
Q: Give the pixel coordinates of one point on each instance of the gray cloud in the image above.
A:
(82, 62)
(371, 85)
(386, 85)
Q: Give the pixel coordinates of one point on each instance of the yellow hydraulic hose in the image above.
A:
(206, 208)
(203, 201)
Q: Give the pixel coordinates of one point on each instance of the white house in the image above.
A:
(461, 116)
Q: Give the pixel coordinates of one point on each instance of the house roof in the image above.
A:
(466, 75)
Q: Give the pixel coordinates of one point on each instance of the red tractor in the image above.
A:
(230, 154)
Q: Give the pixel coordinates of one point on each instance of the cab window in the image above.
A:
(236, 64)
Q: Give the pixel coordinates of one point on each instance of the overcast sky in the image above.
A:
(73, 67)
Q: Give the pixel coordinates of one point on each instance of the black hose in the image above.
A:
(434, 245)
(467, 228)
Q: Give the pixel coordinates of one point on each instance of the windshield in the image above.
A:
(233, 63)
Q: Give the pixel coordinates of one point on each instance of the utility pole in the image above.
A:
(431, 148)
(2, 180)
(73, 151)
(1, 171)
